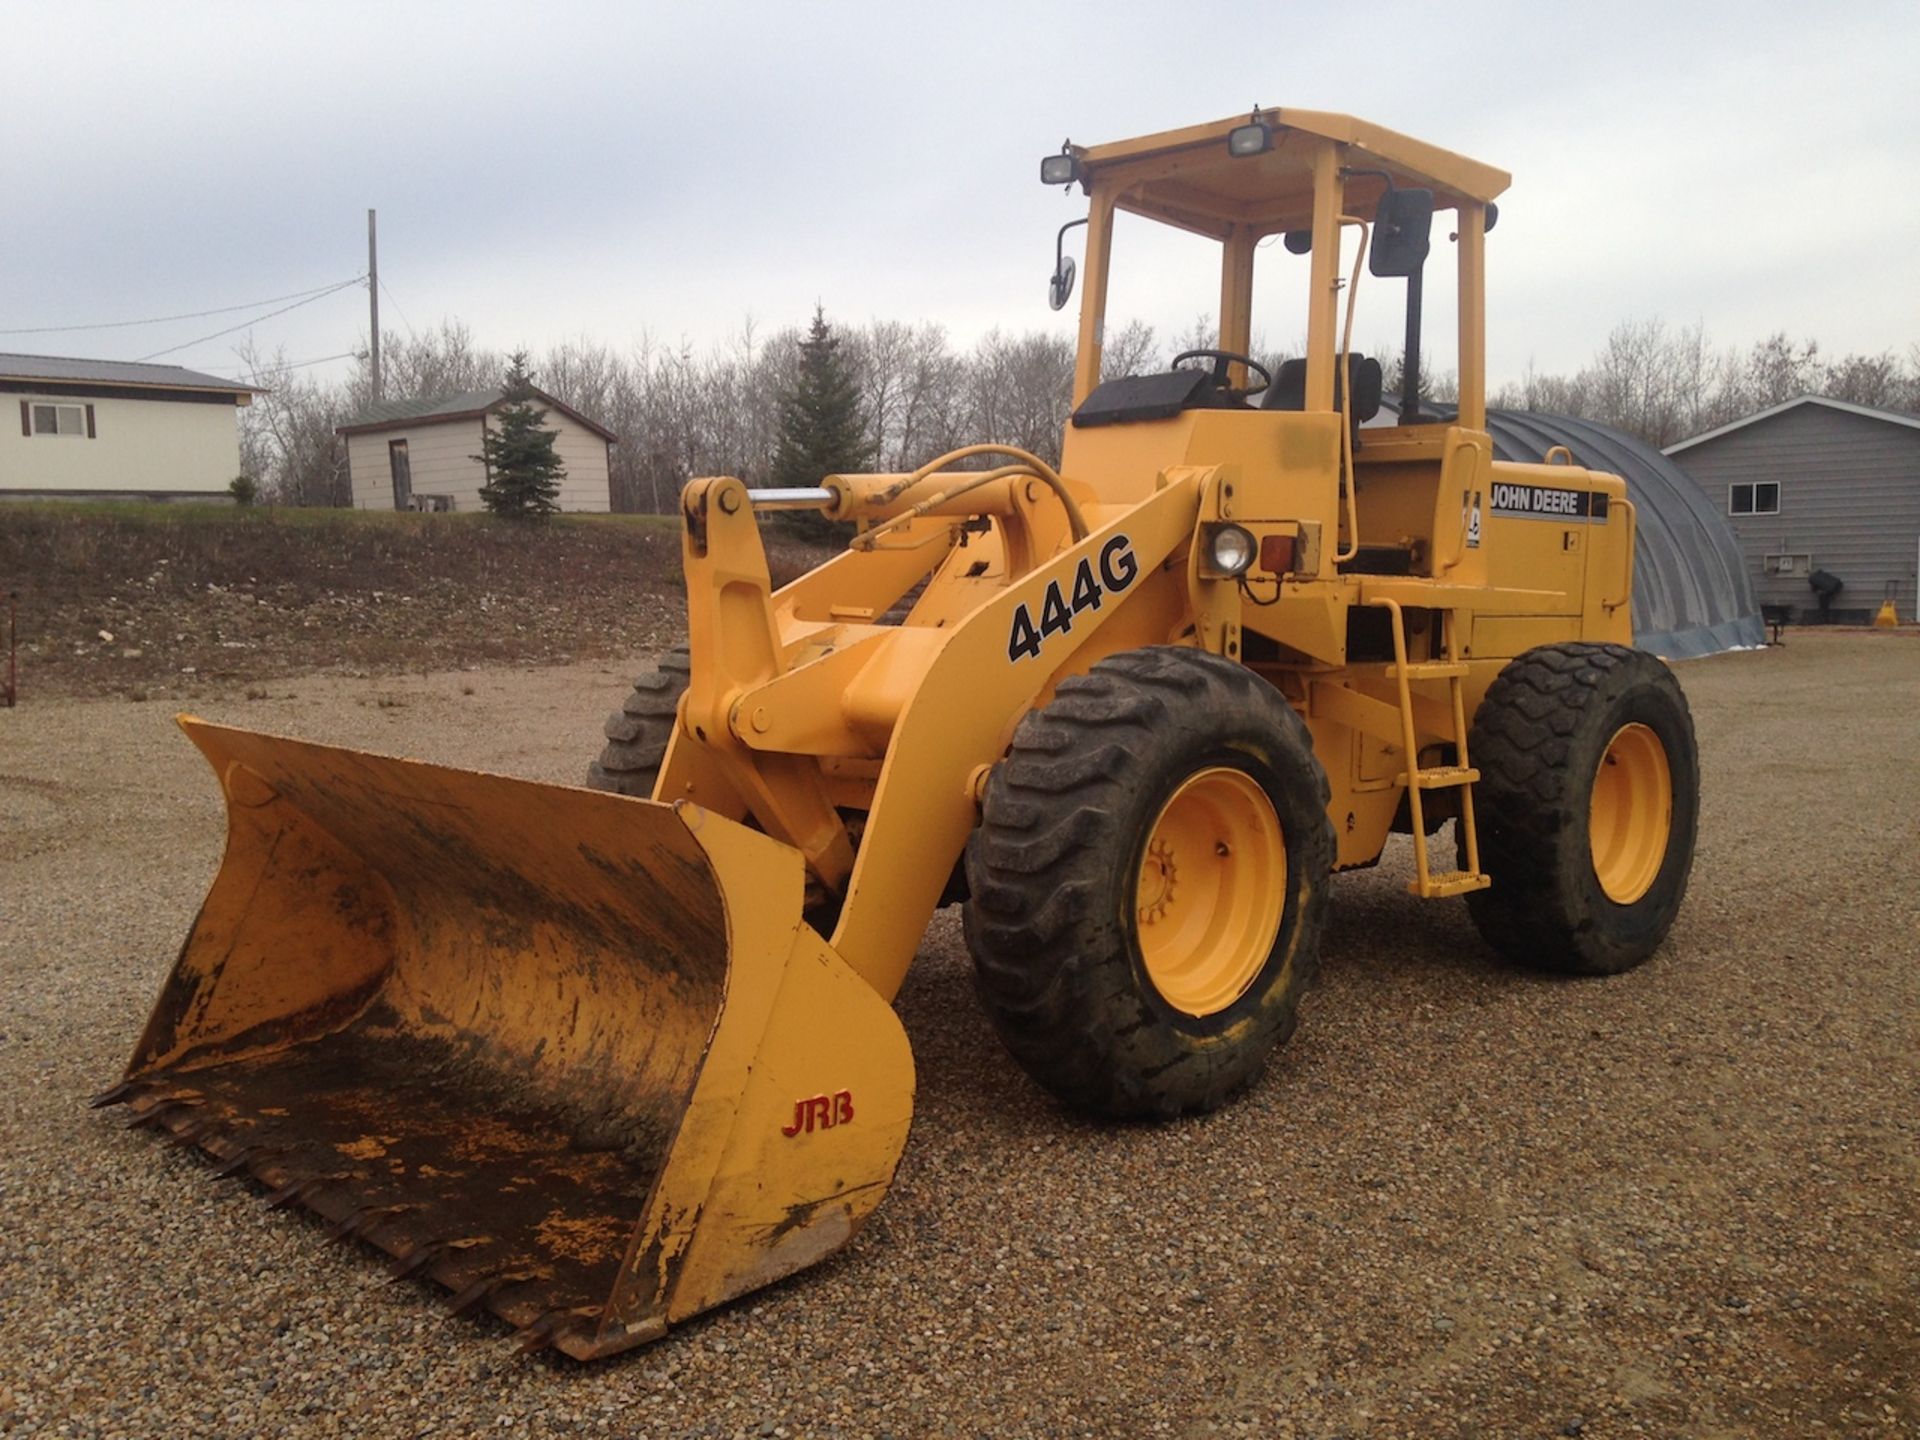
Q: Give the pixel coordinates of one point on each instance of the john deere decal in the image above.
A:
(1546, 502)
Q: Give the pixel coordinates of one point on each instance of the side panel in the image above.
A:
(1283, 465)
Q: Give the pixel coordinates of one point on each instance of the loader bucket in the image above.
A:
(574, 1056)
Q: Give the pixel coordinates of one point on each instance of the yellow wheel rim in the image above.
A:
(1631, 817)
(1211, 889)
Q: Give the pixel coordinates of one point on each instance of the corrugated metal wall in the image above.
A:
(1692, 591)
(1849, 501)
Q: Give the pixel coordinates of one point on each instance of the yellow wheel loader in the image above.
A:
(599, 1059)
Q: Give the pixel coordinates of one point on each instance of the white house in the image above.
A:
(115, 429)
(425, 454)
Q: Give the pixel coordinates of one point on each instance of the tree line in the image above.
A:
(682, 411)
(1664, 384)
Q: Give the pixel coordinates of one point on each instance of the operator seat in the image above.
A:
(1289, 388)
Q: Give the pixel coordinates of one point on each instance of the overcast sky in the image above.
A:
(611, 171)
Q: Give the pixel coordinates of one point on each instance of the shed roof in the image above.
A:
(1892, 417)
(441, 409)
(115, 372)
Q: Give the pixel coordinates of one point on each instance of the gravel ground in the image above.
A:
(1465, 1201)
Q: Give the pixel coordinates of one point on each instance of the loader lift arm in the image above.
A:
(956, 692)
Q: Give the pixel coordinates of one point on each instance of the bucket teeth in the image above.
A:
(199, 1129)
(117, 1094)
(154, 1114)
(484, 1289)
(295, 1191)
(364, 1220)
(243, 1157)
(424, 1254)
(552, 1326)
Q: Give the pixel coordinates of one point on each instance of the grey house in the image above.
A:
(1818, 484)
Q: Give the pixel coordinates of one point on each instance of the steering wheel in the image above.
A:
(1221, 360)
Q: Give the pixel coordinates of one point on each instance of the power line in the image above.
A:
(302, 364)
(402, 309)
(316, 292)
(254, 320)
(256, 371)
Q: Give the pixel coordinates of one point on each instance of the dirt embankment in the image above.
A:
(154, 601)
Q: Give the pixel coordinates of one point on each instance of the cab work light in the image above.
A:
(1253, 138)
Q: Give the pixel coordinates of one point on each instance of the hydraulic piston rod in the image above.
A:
(805, 497)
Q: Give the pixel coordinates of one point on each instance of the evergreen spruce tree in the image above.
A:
(821, 429)
(523, 471)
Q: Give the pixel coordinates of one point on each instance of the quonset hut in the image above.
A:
(1692, 595)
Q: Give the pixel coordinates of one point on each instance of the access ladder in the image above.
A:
(1460, 776)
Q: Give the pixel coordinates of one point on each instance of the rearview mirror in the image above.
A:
(1402, 230)
(1060, 287)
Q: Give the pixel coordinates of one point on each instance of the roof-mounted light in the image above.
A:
(1061, 169)
(1253, 138)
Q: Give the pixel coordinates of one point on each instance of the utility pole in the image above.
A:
(373, 300)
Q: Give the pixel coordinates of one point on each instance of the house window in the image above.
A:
(1762, 497)
(60, 420)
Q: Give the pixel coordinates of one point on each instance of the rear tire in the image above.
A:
(639, 731)
(1162, 770)
(1587, 806)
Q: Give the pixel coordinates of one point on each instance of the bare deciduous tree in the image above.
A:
(287, 440)
(681, 411)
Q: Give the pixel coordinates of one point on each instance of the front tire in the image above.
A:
(1588, 804)
(1149, 883)
(639, 731)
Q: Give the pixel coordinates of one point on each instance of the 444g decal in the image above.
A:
(1117, 569)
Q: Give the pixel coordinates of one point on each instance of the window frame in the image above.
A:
(77, 407)
(1753, 487)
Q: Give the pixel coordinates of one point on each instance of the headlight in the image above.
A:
(1231, 549)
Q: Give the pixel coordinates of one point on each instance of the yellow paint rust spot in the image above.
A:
(367, 1147)
(487, 1139)
(586, 1238)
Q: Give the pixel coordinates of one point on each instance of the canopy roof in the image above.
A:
(1186, 177)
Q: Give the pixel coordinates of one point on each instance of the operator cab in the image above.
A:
(1305, 178)
(1308, 205)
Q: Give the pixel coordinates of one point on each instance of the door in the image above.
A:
(402, 474)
